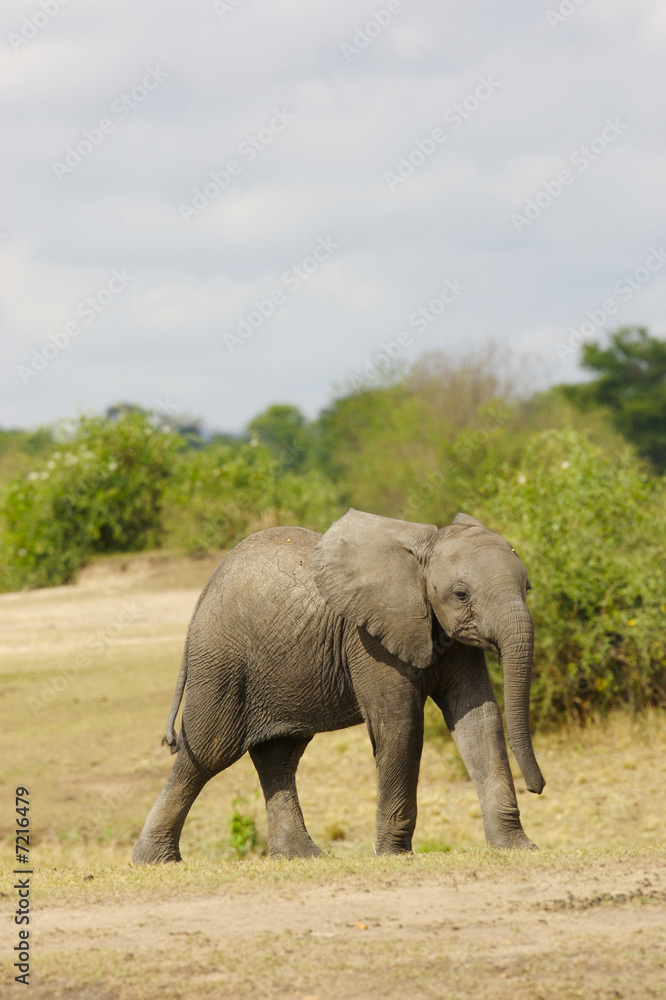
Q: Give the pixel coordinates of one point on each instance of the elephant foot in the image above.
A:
(297, 847)
(517, 840)
(392, 847)
(147, 851)
(393, 839)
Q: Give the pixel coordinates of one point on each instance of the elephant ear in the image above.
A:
(369, 569)
(469, 520)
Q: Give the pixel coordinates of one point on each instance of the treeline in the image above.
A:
(572, 476)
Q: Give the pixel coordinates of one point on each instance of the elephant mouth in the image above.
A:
(470, 637)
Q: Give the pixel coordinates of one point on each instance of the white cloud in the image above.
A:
(322, 175)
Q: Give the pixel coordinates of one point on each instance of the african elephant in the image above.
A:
(298, 633)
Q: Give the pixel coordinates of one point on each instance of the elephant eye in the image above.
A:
(461, 594)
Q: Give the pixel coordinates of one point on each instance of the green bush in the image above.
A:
(100, 490)
(591, 528)
(123, 485)
(220, 494)
(20, 450)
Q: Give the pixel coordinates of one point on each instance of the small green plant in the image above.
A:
(244, 836)
(432, 847)
(335, 831)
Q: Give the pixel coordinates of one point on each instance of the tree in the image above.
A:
(283, 429)
(189, 428)
(632, 384)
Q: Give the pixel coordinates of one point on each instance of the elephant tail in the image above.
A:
(171, 740)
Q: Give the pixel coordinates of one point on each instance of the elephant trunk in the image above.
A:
(515, 638)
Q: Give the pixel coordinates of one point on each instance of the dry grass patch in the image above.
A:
(311, 968)
(462, 921)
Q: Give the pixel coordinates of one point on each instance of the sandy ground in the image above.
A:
(592, 930)
(500, 918)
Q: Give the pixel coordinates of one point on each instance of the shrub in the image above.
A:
(99, 491)
(591, 529)
(220, 494)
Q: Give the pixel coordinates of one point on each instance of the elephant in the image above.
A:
(298, 633)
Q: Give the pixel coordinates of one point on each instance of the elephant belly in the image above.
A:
(297, 687)
(267, 661)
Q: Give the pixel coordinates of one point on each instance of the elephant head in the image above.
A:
(391, 577)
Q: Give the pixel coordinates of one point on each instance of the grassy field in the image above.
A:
(88, 676)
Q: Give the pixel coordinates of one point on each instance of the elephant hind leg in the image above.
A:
(159, 840)
(276, 762)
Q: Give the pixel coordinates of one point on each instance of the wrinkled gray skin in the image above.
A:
(298, 633)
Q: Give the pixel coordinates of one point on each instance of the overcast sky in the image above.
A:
(421, 175)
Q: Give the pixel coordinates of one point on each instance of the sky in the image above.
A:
(210, 207)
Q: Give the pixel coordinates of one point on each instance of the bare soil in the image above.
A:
(585, 929)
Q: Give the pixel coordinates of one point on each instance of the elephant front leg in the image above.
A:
(391, 697)
(397, 757)
(473, 717)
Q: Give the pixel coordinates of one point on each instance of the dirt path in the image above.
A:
(602, 932)
(609, 900)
